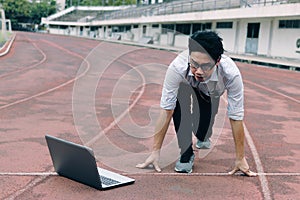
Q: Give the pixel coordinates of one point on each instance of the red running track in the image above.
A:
(39, 95)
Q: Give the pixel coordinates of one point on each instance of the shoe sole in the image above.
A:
(204, 147)
(183, 171)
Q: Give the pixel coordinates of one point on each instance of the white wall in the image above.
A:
(181, 41)
(229, 37)
(264, 37)
(73, 30)
(242, 37)
(101, 33)
(153, 31)
(155, 34)
(273, 42)
(284, 42)
(164, 39)
(57, 31)
(136, 34)
(61, 4)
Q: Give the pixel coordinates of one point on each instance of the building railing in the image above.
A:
(186, 6)
(174, 7)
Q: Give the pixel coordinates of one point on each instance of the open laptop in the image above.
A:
(78, 163)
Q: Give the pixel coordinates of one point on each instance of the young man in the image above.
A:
(194, 82)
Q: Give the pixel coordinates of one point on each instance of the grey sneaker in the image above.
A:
(203, 145)
(185, 167)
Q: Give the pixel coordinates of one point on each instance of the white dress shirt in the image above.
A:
(226, 76)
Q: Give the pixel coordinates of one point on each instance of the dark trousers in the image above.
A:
(194, 112)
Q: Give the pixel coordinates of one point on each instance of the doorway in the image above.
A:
(252, 38)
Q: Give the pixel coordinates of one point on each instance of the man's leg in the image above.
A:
(183, 122)
(204, 112)
(214, 110)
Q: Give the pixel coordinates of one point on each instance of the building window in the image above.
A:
(224, 24)
(200, 27)
(144, 29)
(167, 28)
(125, 28)
(94, 28)
(253, 30)
(121, 29)
(155, 26)
(54, 26)
(289, 23)
(63, 26)
(183, 29)
(207, 26)
(115, 29)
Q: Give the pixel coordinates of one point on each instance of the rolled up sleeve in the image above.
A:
(170, 89)
(235, 97)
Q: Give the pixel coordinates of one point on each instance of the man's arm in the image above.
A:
(239, 138)
(174, 76)
(241, 164)
(161, 128)
(159, 135)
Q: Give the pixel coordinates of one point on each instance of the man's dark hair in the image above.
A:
(207, 42)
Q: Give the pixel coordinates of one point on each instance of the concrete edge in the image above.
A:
(272, 62)
(292, 65)
(6, 47)
(260, 60)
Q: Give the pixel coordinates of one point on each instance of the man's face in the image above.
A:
(201, 65)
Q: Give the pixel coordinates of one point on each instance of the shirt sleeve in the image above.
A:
(235, 97)
(170, 88)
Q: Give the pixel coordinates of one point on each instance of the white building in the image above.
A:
(259, 27)
(61, 4)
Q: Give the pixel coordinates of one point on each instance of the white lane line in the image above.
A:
(54, 88)
(209, 174)
(28, 173)
(259, 167)
(33, 183)
(31, 66)
(260, 170)
(122, 115)
(41, 178)
(155, 174)
(281, 174)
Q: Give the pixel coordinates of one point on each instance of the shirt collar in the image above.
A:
(213, 77)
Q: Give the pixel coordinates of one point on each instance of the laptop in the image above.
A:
(77, 162)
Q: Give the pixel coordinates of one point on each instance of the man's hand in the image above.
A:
(239, 137)
(151, 160)
(161, 128)
(242, 165)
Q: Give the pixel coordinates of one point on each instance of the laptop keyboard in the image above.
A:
(108, 181)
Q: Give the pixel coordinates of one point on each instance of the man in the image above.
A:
(194, 82)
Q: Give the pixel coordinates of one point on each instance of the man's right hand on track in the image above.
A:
(151, 160)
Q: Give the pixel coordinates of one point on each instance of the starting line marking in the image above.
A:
(152, 174)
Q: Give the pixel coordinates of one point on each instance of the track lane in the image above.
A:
(249, 88)
(11, 65)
